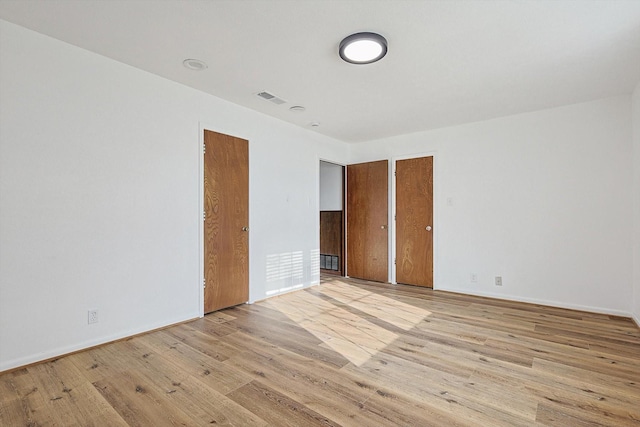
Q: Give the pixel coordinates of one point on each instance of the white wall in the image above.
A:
(100, 198)
(542, 199)
(636, 203)
(330, 187)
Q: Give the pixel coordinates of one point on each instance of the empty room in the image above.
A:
(313, 212)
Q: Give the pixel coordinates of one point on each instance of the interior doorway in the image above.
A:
(332, 217)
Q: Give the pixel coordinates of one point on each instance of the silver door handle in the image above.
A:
(428, 228)
(245, 228)
(383, 227)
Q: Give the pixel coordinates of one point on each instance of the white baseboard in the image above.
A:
(556, 304)
(284, 291)
(62, 351)
(637, 320)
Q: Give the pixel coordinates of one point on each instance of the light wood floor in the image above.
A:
(348, 353)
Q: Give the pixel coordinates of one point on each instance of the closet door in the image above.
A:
(226, 221)
(414, 221)
(367, 221)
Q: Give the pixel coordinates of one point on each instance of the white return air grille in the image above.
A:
(271, 98)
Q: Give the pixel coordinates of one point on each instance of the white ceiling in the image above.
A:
(449, 62)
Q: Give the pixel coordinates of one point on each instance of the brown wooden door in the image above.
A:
(226, 210)
(414, 221)
(367, 221)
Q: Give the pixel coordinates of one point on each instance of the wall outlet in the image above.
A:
(498, 280)
(92, 316)
(474, 278)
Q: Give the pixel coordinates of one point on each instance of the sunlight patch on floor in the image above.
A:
(397, 313)
(347, 333)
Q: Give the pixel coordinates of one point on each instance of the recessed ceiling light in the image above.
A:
(297, 108)
(363, 48)
(194, 64)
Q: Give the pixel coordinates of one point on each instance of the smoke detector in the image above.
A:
(195, 64)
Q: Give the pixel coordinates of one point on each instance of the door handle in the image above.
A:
(428, 228)
(245, 228)
(383, 227)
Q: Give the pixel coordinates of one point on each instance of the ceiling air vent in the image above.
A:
(271, 98)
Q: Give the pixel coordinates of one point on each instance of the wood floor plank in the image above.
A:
(556, 417)
(444, 391)
(36, 406)
(139, 403)
(623, 386)
(605, 343)
(321, 388)
(302, 341)
(192, 362)
(203, 404)
(614, 365)
(74, 397)
(203, 342)
(400, 410)
(276, 408)
(50, 396)
(423, 332)
(433, 355)
(20, 401)
(584, 396)
(212, 326)
(626, 331)
(351, 353)
(590, 409)
(12, 413)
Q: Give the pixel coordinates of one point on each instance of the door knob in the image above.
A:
(245, 228)
(383, 227)
(428, 228)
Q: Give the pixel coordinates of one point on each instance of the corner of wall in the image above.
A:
(635, 111)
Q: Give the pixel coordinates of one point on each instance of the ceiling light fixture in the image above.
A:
(297, 108)
(195, 64)
(363, 48)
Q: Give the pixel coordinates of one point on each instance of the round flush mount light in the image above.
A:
(363, 48)
(297, 109)
(194, 64)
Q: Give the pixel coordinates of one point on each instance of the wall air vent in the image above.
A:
(271, 98)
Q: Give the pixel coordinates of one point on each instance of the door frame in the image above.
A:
(200, 284)
(343, 260)
(200, 212)
(344, 214)
(392, 208)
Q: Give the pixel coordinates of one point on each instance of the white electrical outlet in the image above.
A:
(474, 278)
(92, 316)
(498, 280)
